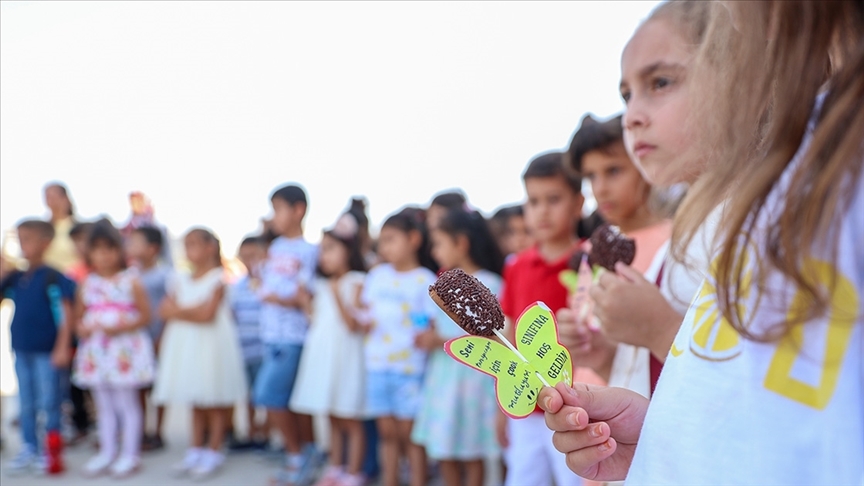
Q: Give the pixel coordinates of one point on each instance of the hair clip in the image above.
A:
(346, 226)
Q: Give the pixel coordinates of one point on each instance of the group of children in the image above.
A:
(346, 329)
(339, 329)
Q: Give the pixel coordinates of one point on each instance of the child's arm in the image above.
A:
(142, 304)
(347, 316)
(77, 322)
(204, 313)
(61, 355)
(297, 301)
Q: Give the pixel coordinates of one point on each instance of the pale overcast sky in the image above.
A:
(208, 106)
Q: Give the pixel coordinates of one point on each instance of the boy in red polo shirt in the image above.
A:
(553, 208)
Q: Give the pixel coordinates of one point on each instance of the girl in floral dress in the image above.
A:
(115, 354)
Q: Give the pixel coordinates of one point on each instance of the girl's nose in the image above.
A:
(635, 116)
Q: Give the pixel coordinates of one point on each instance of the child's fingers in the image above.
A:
(586, 462)
(568, 418)
(593, 435)
(550, 399)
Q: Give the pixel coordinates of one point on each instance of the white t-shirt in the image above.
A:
(396, 301)
(290, 263)
(681, 280)
(729, 410)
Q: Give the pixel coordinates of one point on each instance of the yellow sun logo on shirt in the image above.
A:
(713, 337)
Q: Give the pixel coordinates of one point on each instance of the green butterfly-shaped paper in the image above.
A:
(516, 383)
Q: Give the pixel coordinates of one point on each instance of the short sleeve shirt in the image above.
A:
(34, 325)
(529, 278)
(396, 300)
(290, 265)
(246, 305)
(154, 280)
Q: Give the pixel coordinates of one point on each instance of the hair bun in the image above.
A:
(588, 120)
(358, 204)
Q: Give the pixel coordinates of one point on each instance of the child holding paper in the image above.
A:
(553, 208)
(774, 336)
(456, 419)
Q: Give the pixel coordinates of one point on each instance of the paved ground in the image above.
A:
(240, 469)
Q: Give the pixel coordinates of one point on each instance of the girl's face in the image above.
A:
(518, 238)
(198, 251)
(618, 186)
(654, 87)
(252, 255)
(105, 258)
(56, 201)
(448, 251)
(332, 256)
(396, 246)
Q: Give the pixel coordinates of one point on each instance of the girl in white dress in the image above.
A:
(200, 363)
(332, 370)
(115, 355)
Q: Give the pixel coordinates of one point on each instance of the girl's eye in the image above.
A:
(660, 83)
(625, 95)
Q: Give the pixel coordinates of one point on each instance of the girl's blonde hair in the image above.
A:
(757, 75)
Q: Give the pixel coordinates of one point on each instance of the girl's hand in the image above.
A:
(647, 320)
(428, 340)
(61, 357)
(596, 427)
(122, 327)
(168, 308)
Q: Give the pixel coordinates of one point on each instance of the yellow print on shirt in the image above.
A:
(713, 337)
(842, 312)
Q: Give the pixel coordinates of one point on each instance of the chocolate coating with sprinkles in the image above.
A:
(609, 246)
(468, 302)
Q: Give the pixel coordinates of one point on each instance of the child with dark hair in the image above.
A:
(79, 234)
(441, 204)
(40, 333)
(246, 305)
(200, 363)
(623, 198)
(554, 206)
(115, 354)
(397, 298)
(508, 228)
(287, 277)
(456, 422)
(144, 247)
(78, 272)
(332, 375)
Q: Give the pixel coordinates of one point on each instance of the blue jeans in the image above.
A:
(38, 390)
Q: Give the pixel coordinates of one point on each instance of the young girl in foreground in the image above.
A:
(775, 389)
(456, 422)
(332, 376)
(200, 363)
(115, 354)
(397, 295)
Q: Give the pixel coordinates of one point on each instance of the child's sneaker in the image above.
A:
(209, 463)
(22, 463)
(292, 473)
(96, 465)
(190, 460)
(331, 476)
(351, 480)
(124, 467)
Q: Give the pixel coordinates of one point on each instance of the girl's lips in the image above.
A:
(642, 149)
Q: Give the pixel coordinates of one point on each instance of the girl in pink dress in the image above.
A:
(115, 354)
